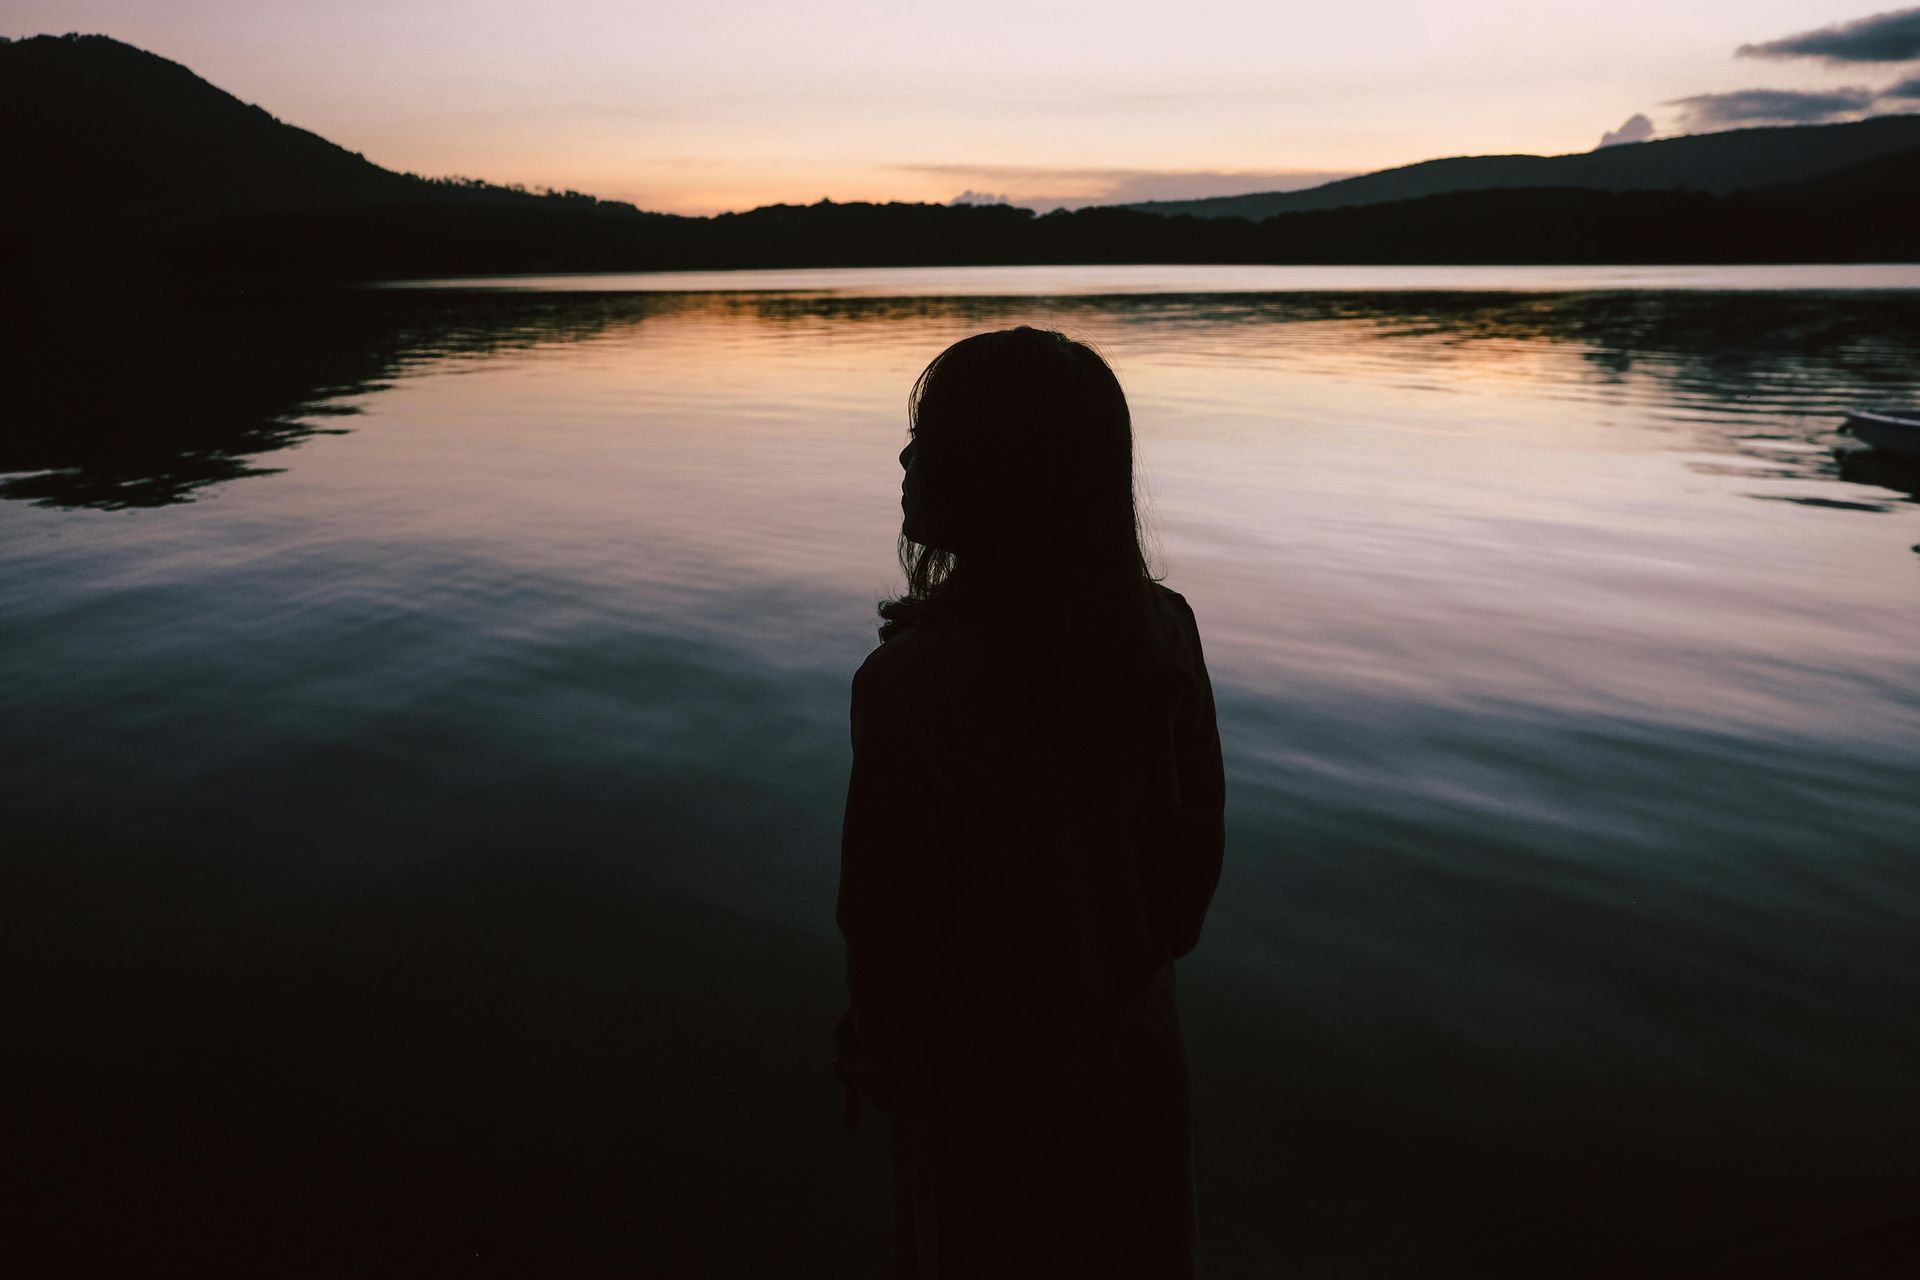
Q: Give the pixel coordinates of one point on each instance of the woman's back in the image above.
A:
(1077, 850)
(1017, 874)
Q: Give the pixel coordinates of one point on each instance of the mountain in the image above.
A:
(103, 142)
(1716, 163)
(111, 127)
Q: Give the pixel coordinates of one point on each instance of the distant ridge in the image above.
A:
(1888, 182)
(1716, 163)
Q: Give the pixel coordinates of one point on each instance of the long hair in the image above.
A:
(1029, 528)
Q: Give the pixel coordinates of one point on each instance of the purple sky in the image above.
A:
(732, 103)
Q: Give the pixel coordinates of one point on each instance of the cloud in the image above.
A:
(1704, 112)
(1905, 90)
(970, 196)
(1637, 129)
(1041, 188)
(1884, 37)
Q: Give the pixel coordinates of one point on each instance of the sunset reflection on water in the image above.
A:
(1567, 686)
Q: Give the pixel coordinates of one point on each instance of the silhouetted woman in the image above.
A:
(1033, 832)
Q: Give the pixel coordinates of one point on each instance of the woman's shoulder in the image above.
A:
(910, 662)
(1172, 600)
(1175, 609)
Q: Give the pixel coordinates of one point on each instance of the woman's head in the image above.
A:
(1019, 478)
(1018, 437)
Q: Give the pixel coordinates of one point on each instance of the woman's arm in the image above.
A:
(1198, 827)
(893, 894)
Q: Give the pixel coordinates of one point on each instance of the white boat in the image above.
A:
(1888, 430)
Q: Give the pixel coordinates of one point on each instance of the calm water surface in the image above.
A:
(425, 735)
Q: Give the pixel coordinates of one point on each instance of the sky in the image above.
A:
(728, 104)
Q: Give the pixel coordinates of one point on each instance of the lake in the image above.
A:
(424, 722)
